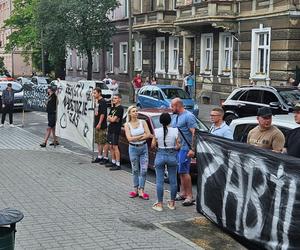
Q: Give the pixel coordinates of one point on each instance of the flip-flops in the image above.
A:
(179, 198)
(144, 196)
(188, 202)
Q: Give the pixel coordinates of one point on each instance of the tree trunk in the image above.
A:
(90, 64)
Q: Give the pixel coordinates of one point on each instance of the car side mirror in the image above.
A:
(275, 105)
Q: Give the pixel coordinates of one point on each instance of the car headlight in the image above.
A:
(196, 106)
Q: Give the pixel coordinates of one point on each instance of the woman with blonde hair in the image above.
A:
(137, 133)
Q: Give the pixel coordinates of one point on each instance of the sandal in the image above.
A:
(43, 145)
(144, 196)
(133, 194)
(157, 207)
(171, 205)
(187, 202)
(179, 197)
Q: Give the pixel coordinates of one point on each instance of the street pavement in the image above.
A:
(70, 203)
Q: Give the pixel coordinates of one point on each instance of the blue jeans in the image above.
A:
(166, 157)
(139, 164)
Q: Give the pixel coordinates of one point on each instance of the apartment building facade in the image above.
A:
(225, 43)
(14, 61)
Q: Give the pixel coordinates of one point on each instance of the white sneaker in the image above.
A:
(1, 125)
(11, 125)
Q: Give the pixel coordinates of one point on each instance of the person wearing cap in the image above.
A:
(51, 111)
(7, 105)
(292, 144)
(265, 135)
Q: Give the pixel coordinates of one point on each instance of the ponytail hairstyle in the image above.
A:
(165, 120)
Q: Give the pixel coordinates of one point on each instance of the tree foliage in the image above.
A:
(55, 24)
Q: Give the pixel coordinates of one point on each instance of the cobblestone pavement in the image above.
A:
(70, 203)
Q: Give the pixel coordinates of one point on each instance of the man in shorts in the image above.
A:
(186, 123)
(114, 128)
(100, 127)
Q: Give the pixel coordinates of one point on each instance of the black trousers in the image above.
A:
(9, 108)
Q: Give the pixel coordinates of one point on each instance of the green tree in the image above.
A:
(89, 28)
(2, 66)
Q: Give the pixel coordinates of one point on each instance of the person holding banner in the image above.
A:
(51, 111)
(186, 123)
(100, 127)
(114, 128)
(167, 141)
(265, 135)
(137, 132)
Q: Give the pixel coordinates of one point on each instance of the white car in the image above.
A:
(106, 92)
(242, 126)
(40, 80)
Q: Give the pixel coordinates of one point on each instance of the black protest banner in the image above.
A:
(250, 192)
(35, 97)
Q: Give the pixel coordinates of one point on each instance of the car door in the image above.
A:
(157, 98)
(249, 103)
(241, 132)
(144, 98)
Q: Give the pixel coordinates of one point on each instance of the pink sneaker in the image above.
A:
(133, 194)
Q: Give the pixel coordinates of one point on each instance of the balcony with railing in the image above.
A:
(205, 12)
(153, 15)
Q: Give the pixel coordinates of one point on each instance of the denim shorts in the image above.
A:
(184, 162)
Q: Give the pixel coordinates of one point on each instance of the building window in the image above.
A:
(260, 53)
(125, 8)
(79, 62)
(110, 59)
(206, 53)
(160, 55)
(96, 59)
(225, 54)
(123, 57)
(160, 3)
(138, 55)
(173, 55)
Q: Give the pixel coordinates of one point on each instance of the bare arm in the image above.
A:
(153, 143)
(147, 133)
(192, 151)
(100, 121)
(177, 147)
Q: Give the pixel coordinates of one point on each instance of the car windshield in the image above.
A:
(15, 86)
(173, 93)
(156, 123)
(291, 97)
(101, 85)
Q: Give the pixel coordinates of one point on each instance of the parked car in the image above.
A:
(40, 80)
(24, 81)
(6, 78)
(19, 97)
(245, 101)
(160, 96)
(242, 126)
(106, 92)
(151, 116)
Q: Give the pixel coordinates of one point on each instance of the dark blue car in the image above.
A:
(160, 96)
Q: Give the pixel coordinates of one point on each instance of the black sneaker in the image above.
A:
(43, 145)
(109, 165)
(115, 168)
(97, 160)
(104, 161)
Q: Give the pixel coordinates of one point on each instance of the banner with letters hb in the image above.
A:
(75, 114)
(250, 192)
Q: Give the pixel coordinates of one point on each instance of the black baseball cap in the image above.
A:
(264, 112)
(297, 107)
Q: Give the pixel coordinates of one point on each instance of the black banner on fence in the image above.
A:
(250, 192)
(35, 97)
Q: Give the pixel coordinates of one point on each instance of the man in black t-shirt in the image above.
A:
(292, 143)
(100, 126)
(114, 128)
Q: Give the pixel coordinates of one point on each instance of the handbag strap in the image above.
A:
(184, 138)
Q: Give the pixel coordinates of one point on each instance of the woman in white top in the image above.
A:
(137, 133)
(166, 139)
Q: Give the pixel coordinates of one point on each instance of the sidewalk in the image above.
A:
(69, 203)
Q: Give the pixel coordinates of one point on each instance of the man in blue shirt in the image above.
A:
(186, 123)
(190, 84)
(219, 127)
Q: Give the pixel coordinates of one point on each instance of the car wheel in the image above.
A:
(228, 119)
